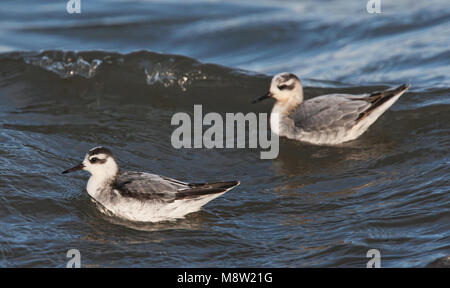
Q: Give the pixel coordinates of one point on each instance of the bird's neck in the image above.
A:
(286, 106)
(280, 115)
(101, 183)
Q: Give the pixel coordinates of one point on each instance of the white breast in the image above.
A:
(275, 119)
(93, 187)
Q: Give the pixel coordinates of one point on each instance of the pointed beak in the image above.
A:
(76, 168)
(266, 96)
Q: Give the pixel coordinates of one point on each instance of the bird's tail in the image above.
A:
(376, 99)
(196, 190)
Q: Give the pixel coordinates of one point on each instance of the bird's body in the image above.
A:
(327, 119)
(144, 197)
(333, 119)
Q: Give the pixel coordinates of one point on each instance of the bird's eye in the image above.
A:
(94, 159)
(282, 86)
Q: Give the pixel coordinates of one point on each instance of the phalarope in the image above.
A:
(140, 196)
(327, 119)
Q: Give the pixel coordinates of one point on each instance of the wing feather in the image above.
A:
(329, 112)
(147, 186)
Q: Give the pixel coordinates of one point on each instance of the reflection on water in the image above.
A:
(189, 223)
(301, 159)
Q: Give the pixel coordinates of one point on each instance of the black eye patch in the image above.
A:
(288, 76)
(94, 160)
(284, 86)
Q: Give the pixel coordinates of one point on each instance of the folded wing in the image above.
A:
(152, 187)
(337, 111)
(329, 112)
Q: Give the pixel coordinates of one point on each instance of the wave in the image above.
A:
(169, 71)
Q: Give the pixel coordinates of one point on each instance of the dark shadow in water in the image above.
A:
(300, 159)
(97, 216)
(443, 262)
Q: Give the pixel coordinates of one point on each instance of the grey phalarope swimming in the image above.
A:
(140, 196)
(327, 119)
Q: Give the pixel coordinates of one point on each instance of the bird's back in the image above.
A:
(147, 197)
(147, 186)
(337, 118)
(328, 112)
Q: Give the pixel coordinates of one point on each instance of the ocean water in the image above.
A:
(115, 74)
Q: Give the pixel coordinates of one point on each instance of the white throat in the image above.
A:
(275, 118)
(101, 175)
(280, 110)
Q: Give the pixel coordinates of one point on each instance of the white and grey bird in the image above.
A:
(140, 196)
(327, 119)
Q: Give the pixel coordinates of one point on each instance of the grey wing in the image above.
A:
(329, 112)
(147, 186)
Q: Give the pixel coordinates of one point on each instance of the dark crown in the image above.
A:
(100, 150)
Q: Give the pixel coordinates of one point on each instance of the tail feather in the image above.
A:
(196, 190)
(376, 99)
